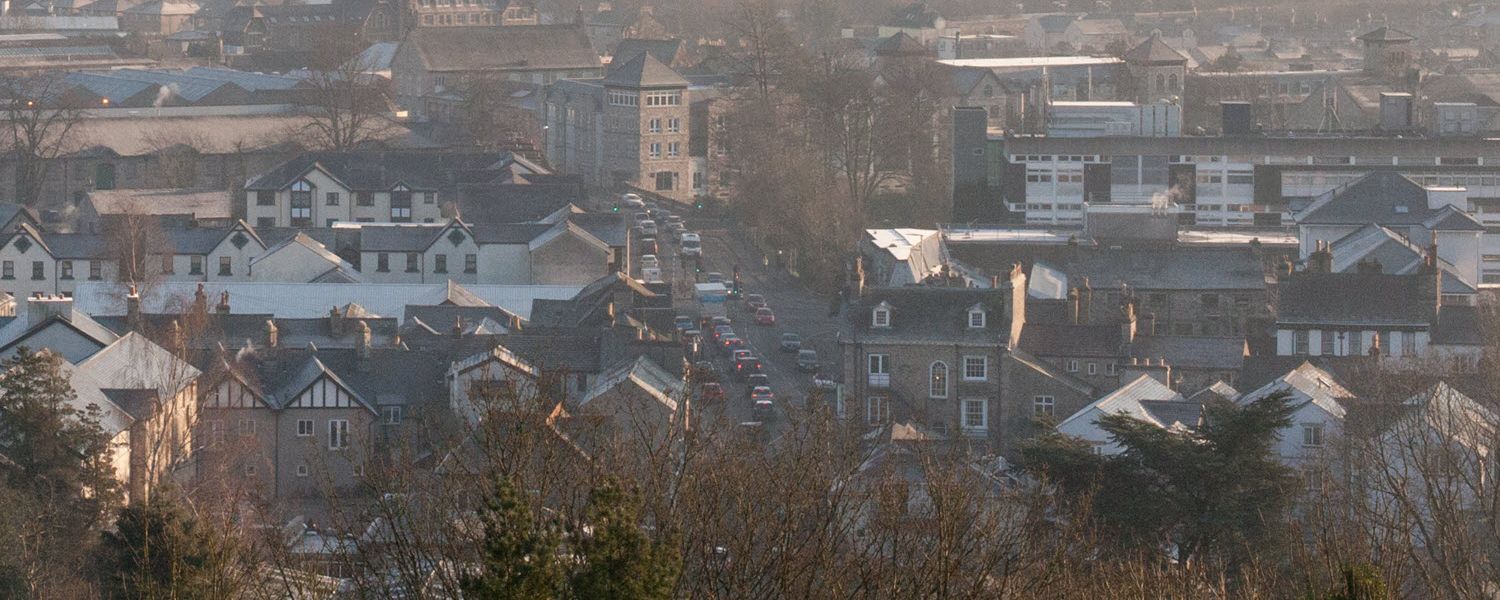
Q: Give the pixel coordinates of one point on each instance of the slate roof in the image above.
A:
(379, 171)
(900, 44)
(1386, 34)
(1306, 383)
(1126, 399)
(512, 48)
(1394, 253)
(664, 51)
(1385, 197)
(514, 203)
(398, 237)
(646, 376)
(1056, 23)
(1458, 326)
(936, 314)
(1170, 413)
(1068, 340)
(1356, 299)
(610, 228)
(1218, 353)
(1153, 51)
(134, 362)
(643, 71)
(1179, 268)
(202, 204)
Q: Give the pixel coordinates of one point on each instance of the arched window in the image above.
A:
(301, 203)
(1172, 82)
(938, 379)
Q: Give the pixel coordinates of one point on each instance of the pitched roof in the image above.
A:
(381, 171)
(938, 314)
(514, 203)
(1069, 340)
(1386, 34)
(1306, 383)
(1055, 23)
(513, 48)
(202, 204)
(643, 71)
(1356, 299)
(646, 375)
(665, 51)
(1127, 399)
(1194, 352)
(1377, 245)
(1153, 51)
(135, 362)
(900, 44)
(1176, 268)
(1385, 197)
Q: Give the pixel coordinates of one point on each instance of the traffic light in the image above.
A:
(698, 205)
(616, 208)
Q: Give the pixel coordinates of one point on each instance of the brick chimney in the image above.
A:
(1321, 260)
(1155, 369)
(133, 318)
(458, 326)
(335, 322)
(200, 301)
(273, 335)
(1145, 324)
(223, 307)
(1127, 324)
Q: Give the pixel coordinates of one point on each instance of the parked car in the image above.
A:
(704, 370)
(692, 245)
(721, 320)
(762, 409)
(721, 331)
(754, 302)
(692, 338)
(647, 245)
(649, 227)
(824, 381)
(742, 353)
(714, 277)
(649, 261)
(641, 217)
(754, 380)
(683, 322)
(807, 360)
(764, 316)
(651, 274)
(791, 342)
(713, 391)
(674, 218)
(632, 200)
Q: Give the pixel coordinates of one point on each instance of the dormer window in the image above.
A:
(881, 316)
(976, 317)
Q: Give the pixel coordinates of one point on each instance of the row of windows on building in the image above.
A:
(881, 317)
(195, 265)
(974, 413)
(1345, 343)
(975, 368)
(651, 99)
(39, 270)
(674, 150)
(414, 263)
(654, 125)
(462, 19)
(338, 429)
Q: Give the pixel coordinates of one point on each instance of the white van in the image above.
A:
(692, 245)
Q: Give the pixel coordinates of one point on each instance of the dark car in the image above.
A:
(713, 392)
(704, 370)
(720, 330)
(747, 366)
(731, 343)
(754, 302)
(683, 322)
(791, 342)
(758, 380)
(646, 245)
(762, 402)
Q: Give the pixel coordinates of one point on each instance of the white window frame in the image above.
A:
(1313, 435)
(878, 375)
(880, 317)
(392, 414)
(305, 428)
(245, 427)
(932, 379)
(1072, 365)
(338, 434)
(984, 368)
(984, 414)
(302, 470)
(877, 410)
(1043, 401)
(980, 323)
(1093, 368)
(215, 432)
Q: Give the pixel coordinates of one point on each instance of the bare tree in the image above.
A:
(42, 118)
(348, 107)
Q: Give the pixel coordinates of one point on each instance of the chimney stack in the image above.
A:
(335, 322)
(1073, 306)
(1085, 301)
(515, 323)
(1434, 270)
(458, 326)
(133, 318)
(1321, 260)
(362, 343)
(223, 307)
(1155, 369)
(200, 301)
(273, 335)
(1127, 324)
(1145, 324)
(43, 307)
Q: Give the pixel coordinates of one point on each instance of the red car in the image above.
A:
(764, 316)
(713, 392)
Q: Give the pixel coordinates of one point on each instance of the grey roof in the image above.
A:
(1385, 197)
(513, 48)
(248, 80)
(914, 16)
(1179, 268)
(398, 237)
(195, 241)
(1218, 353)
(1376, 244)
(643, 71)
(1386, 34)
(77, 245)
(1069, 340)
(901, 44)
(1056, 23)
(514, 203)
(1153, 51)
(381, 171)
(1356, 299)
(1174, 412)
(664, 51)
(509, 233)
(610, 228)
(201, 204)
(1459, 326)
(933, 314)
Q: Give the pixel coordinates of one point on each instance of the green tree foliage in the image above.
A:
(158, 550)
(1216, 491)
(616, 560)
(56, 480)
(519, 560)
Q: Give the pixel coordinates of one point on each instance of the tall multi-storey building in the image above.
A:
(473, 13)
(631, 127)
